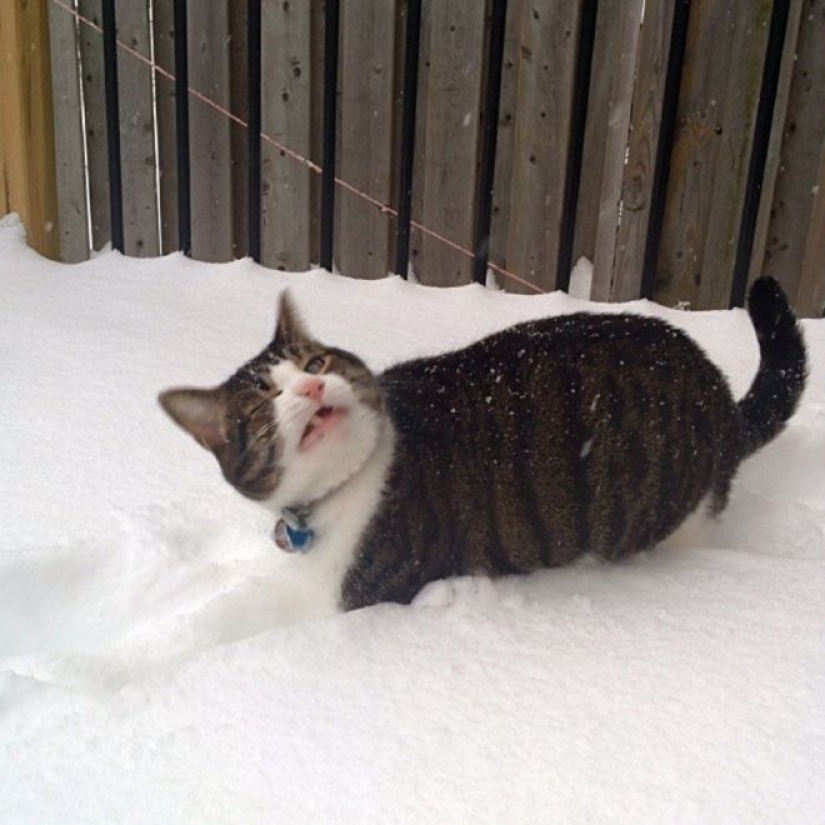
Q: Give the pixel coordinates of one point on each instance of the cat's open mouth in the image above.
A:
(322, 421)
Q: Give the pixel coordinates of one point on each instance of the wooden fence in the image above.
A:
(648, 136)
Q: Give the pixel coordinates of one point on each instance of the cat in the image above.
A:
(584, 433)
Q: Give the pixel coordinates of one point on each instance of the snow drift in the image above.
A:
(143, 677)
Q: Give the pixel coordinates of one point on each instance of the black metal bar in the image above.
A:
(328, 149)
(759, 150)
(578, 121)
(664, 146)
(481, 245)
(412, 41)
(253, 79)
(182, 128)
(112, 122)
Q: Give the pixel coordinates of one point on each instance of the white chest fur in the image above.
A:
(313, 580)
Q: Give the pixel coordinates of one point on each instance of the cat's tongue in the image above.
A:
(323, 420)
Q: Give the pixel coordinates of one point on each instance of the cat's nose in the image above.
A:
(311, 388)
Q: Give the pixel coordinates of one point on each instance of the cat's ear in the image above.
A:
(202, 413)
(290, 330)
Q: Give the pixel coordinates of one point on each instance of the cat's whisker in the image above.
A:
(265, 430)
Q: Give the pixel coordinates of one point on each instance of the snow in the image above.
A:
(144, 678)
(581, 279)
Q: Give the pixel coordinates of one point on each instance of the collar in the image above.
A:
(292, 532)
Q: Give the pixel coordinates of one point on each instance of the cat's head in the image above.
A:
(290, 425)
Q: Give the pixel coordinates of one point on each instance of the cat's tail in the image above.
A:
(779, 383)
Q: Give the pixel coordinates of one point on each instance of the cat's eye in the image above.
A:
(315, 365)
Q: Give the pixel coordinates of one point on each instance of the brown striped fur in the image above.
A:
(586, 433)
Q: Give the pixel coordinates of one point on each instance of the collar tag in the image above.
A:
(291, 532)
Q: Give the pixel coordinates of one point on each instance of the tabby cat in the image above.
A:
(585, 433)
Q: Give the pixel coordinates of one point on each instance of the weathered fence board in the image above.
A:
(5, 206)
(287, 99)
(549, 33)
(27, 125)
(737, 120)
(316, 95)
(625, 23)
(397, 116)
(68, 135)
(810, 298)
(775, 143)
(691, 189)
(646, 118)
(210, 142)
(419, 179)
(499, 226)
(238, 97)
(366, 136)
(608, 43)
(164, 31)
(804, 133)
(91, 60)
(137, 132)
(697, 179)
(456, 43)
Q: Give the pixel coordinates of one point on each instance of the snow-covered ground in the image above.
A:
(142, 677)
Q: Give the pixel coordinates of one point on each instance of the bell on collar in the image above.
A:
(291, 532)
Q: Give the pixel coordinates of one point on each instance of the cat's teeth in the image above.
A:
(313, 422)
(319, 421)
